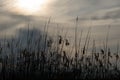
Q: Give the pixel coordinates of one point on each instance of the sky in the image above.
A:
(98, 14)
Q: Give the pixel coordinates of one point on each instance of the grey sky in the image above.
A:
(72, 8)
(95, 13)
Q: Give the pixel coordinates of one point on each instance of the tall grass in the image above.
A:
(52, 61)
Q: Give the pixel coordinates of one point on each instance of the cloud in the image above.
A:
(95, 13)
(104, 14)
(73, 8)
(68, 9)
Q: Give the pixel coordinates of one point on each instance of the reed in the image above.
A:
(52, 61)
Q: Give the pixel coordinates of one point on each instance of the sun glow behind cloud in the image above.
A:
(29, 7)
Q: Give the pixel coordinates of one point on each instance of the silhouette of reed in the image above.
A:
(44, 58)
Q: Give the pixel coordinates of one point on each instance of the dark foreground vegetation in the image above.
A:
(45, 58)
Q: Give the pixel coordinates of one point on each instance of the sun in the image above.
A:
(29, 6)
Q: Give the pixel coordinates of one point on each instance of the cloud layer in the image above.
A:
(96, 13)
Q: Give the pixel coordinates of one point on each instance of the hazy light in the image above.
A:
(29, 6)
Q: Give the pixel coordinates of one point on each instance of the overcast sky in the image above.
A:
(95, 13)
(73, 8)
